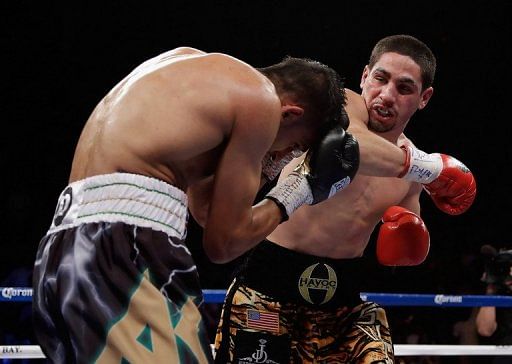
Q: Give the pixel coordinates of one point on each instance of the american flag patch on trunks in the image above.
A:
(263, 320)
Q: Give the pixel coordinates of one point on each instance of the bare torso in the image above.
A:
(168, 119)
(341, 226)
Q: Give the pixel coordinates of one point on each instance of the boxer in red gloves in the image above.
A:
(296, 300)
(403, 238)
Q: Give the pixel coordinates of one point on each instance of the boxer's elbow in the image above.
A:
(224, 242)
(215, 255)
(486, 330)
(485, 325)
(219, 249)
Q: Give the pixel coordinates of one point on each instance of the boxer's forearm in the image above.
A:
(379, 157)
(224, 242)
(486, 321)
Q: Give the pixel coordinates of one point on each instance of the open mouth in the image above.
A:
(382, 111)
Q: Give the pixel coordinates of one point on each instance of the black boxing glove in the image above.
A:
(329, 167)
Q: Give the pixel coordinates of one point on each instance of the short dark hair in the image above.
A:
(315, 85)
(410, 46)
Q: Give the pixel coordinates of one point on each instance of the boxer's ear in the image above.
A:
(291, 113)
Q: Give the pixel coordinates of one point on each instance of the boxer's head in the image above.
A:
(397, 82)
(498, 268)
(312, 101)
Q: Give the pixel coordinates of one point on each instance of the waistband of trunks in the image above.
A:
(293, 277)
(123, 197)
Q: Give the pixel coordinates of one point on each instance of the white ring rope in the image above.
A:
(35, 352)
(451, 350)
(24, 294)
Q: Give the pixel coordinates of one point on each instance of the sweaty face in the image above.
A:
(392, 92)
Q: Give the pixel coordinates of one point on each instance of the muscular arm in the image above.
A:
(486, 321)
(234, 225)
(200, 196)
(378, 157)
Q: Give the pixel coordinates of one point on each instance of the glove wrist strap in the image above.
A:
(271, 168)
(421, 167)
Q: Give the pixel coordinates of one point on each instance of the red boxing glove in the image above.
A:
(455, 189)
(403, 238)
(447, 180)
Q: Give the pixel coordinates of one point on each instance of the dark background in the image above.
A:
(60, 58)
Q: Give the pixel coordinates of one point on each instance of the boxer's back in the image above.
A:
(169, 118)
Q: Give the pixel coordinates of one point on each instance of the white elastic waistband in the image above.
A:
(123, 197)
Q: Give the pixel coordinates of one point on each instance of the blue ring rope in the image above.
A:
(24, 294)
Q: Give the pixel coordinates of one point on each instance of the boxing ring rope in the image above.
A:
(24, 294)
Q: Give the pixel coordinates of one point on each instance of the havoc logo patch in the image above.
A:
(316, 279)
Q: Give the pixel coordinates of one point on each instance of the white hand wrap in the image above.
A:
(292, 192)
(421, 167)
(271, 168)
